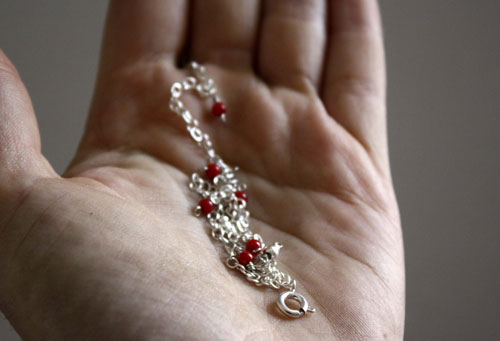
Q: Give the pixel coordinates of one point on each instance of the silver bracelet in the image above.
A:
(224, 202)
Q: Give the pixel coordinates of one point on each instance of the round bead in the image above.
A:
(245, 257)
(218, 109)
(213, 170)
(253, 244)
(206, 205)
(241, 195)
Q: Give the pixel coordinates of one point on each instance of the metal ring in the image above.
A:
(304, 306)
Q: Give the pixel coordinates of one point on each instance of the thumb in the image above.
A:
(20, 149)
(21, 165)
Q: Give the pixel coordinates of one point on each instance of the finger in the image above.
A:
(224, 32)
(141, 29)
(354, 80)
(292, 41)
(20, 150)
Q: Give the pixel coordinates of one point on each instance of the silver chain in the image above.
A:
(226, 211)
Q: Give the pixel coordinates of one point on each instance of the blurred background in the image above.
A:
(444, 131)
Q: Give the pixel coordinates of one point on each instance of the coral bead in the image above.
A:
(241, 195)
(218, 109)
(213, 170)
(245, 257)
(206, 205)
(253, 244)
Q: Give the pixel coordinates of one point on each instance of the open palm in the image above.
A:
(111, 250)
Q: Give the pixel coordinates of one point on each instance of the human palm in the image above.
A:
(112, 250)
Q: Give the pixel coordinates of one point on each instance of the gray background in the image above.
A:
(444, 101)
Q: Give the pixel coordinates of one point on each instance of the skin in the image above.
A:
(111, 249)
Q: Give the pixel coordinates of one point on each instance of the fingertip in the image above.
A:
(6, 64)
(355, 15)
(3, 56)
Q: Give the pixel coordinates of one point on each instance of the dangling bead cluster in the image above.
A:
(253, 249)
(224, 202)
(224, 205)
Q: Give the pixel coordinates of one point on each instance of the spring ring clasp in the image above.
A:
(285, 309)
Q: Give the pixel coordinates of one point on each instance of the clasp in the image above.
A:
(304, 306)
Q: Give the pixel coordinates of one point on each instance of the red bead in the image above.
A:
(245, 257)
(241, 195)
(253, 244)
(218, 109)
(206, 205)
(213, 170)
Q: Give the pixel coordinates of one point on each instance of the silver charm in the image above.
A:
(224, 203)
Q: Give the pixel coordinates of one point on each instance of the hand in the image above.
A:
(111, 249)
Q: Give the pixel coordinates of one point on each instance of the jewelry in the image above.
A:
(224, 202)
